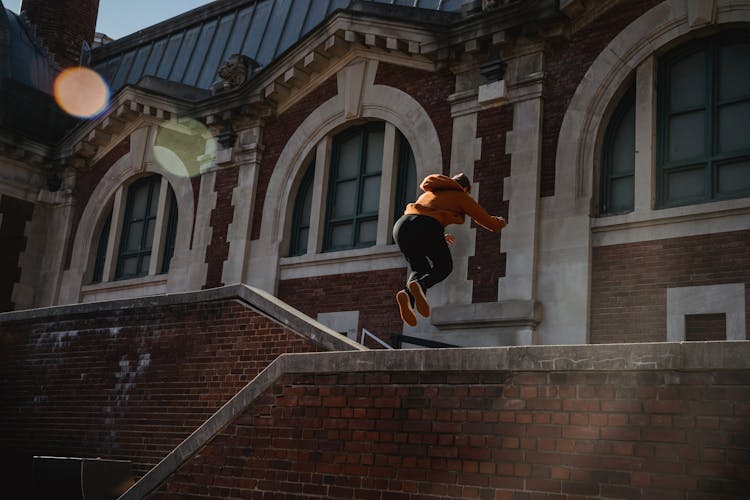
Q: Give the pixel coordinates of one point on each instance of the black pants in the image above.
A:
(422, 241)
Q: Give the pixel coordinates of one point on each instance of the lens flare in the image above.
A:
(184, 147)
(81, 92)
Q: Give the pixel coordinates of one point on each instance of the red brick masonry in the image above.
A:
(410, 435)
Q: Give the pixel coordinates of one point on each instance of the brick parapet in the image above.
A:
(594, 420)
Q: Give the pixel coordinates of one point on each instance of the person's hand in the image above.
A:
(450, 239)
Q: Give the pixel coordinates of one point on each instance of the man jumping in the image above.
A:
(420, 235)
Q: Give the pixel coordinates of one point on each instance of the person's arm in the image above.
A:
(481, 217)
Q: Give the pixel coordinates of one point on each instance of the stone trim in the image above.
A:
(691, 356)
(728, 299)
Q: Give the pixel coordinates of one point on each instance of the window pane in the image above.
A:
(302, 241)
(306, 205)
(685, 185)
(101, 250)
(734, 71)
(129, 266)
(139, 197)
(621, 198)
(374, 152)
(348, 165)
(302, 212)
(368, 232)
(686, 136)
(371, 194)
(341, 236)
(734, 134)
(149, 234)
(154, 206)
(734, 177)
(171, 236)
(143, 269)
(623, 146)
(688, 82)
(345, 200)
(135, 232)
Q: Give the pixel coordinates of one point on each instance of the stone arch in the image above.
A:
(139, 161)
(378, 102)
(655, 30)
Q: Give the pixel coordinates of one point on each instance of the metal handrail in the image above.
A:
(373, 337)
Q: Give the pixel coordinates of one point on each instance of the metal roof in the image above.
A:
(190, 48)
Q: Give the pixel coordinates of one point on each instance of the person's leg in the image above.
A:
(404, 234)
(442, 264)
(424, 247)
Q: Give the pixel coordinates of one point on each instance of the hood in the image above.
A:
(438, 182)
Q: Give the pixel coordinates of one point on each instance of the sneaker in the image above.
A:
(423, 307)
(407, 314)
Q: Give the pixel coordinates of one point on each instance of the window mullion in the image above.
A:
(363, 140)
(645, 106)
(113, 243)
(157, 245)
(712, 138)
(388, 176)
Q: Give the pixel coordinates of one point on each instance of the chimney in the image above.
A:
(63, 26)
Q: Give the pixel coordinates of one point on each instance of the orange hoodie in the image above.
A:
(445, 200)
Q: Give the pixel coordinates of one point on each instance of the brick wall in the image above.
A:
(565, 65)
(14, 214)
(487, 264)
(221, 216)
(629, 281)
(371, 293)
(431, 91)
(126, 383)
(486, 435)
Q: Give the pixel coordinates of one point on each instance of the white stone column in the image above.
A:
(521, 190)
(243, 201)
(188, 269)
(49, 228)
(466, 149)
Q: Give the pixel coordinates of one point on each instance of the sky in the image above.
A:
(118, 18)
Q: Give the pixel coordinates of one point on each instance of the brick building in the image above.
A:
(609, 134)
(254, 155)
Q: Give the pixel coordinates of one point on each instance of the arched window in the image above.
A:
(353, 213)
(138, 235)
(618, 158)
(703, 105)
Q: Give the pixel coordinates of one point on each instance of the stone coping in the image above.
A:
(488, 314)
(664, 356)
(254, 298)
